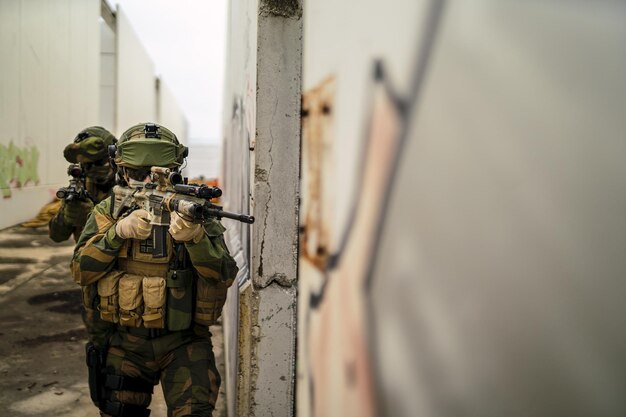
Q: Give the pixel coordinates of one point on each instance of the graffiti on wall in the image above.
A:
(337, 373)
(18, 166)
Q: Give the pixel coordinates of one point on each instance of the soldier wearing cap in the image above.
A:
(161, 307)
(89, 150)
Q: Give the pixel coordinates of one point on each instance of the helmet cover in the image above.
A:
(149, 144)
(90, 145)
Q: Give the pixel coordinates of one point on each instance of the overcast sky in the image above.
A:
(186, 40)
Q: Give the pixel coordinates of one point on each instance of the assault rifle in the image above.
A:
(76, 190)
(166, 193)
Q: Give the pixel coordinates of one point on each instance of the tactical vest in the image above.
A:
(150, 292)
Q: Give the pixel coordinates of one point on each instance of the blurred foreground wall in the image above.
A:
(48, 82)
(261, 177)
(462, 217)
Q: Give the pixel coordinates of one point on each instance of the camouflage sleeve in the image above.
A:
(97, 248)
(58, 230)
(210, 257)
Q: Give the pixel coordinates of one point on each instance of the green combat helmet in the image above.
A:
(147, 145)
(89, 146)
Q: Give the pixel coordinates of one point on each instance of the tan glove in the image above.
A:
(185, 231)
(134, 226)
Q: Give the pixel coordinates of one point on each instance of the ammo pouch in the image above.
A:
(154, 302)
(179, 299)
(108, 289)
(130, 300)
(138, 301)
(210, 299)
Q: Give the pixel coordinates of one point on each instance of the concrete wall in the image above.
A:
(136, 81)
(108, 76)
(48, 92)
(276, 180)
(462, 209)
(261, 171)
(238, 130)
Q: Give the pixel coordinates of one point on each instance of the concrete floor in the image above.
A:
(42, 365)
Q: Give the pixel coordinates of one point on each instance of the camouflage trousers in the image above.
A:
(182, 361)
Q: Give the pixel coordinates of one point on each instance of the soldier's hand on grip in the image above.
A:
(75, 212)
(185, 231)
(134, 226)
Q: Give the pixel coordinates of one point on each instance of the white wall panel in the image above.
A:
(238, 131)
(48, 92)
(136, 82)
(10, 41)
(59, 98)
(108, 76)
(169, 113)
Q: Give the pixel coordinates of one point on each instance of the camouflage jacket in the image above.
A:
(98, 251)
(60, 230)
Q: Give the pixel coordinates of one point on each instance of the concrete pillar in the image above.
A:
(269, 334)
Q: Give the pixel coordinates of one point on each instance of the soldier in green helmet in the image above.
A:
(161, 307)
(90, 151)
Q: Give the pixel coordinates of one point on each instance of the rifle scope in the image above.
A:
(65, 194)
(200, 191)
(74, 170)
(175, 178)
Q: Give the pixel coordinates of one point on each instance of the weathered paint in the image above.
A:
(316, 206)
(283, 8)
(18, 166)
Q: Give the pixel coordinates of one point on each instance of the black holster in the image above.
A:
(96, 361)
(101, 384)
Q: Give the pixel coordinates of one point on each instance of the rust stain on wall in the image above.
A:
(336, 375)
(317, 131)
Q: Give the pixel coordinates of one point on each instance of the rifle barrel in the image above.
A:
(217, 212)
